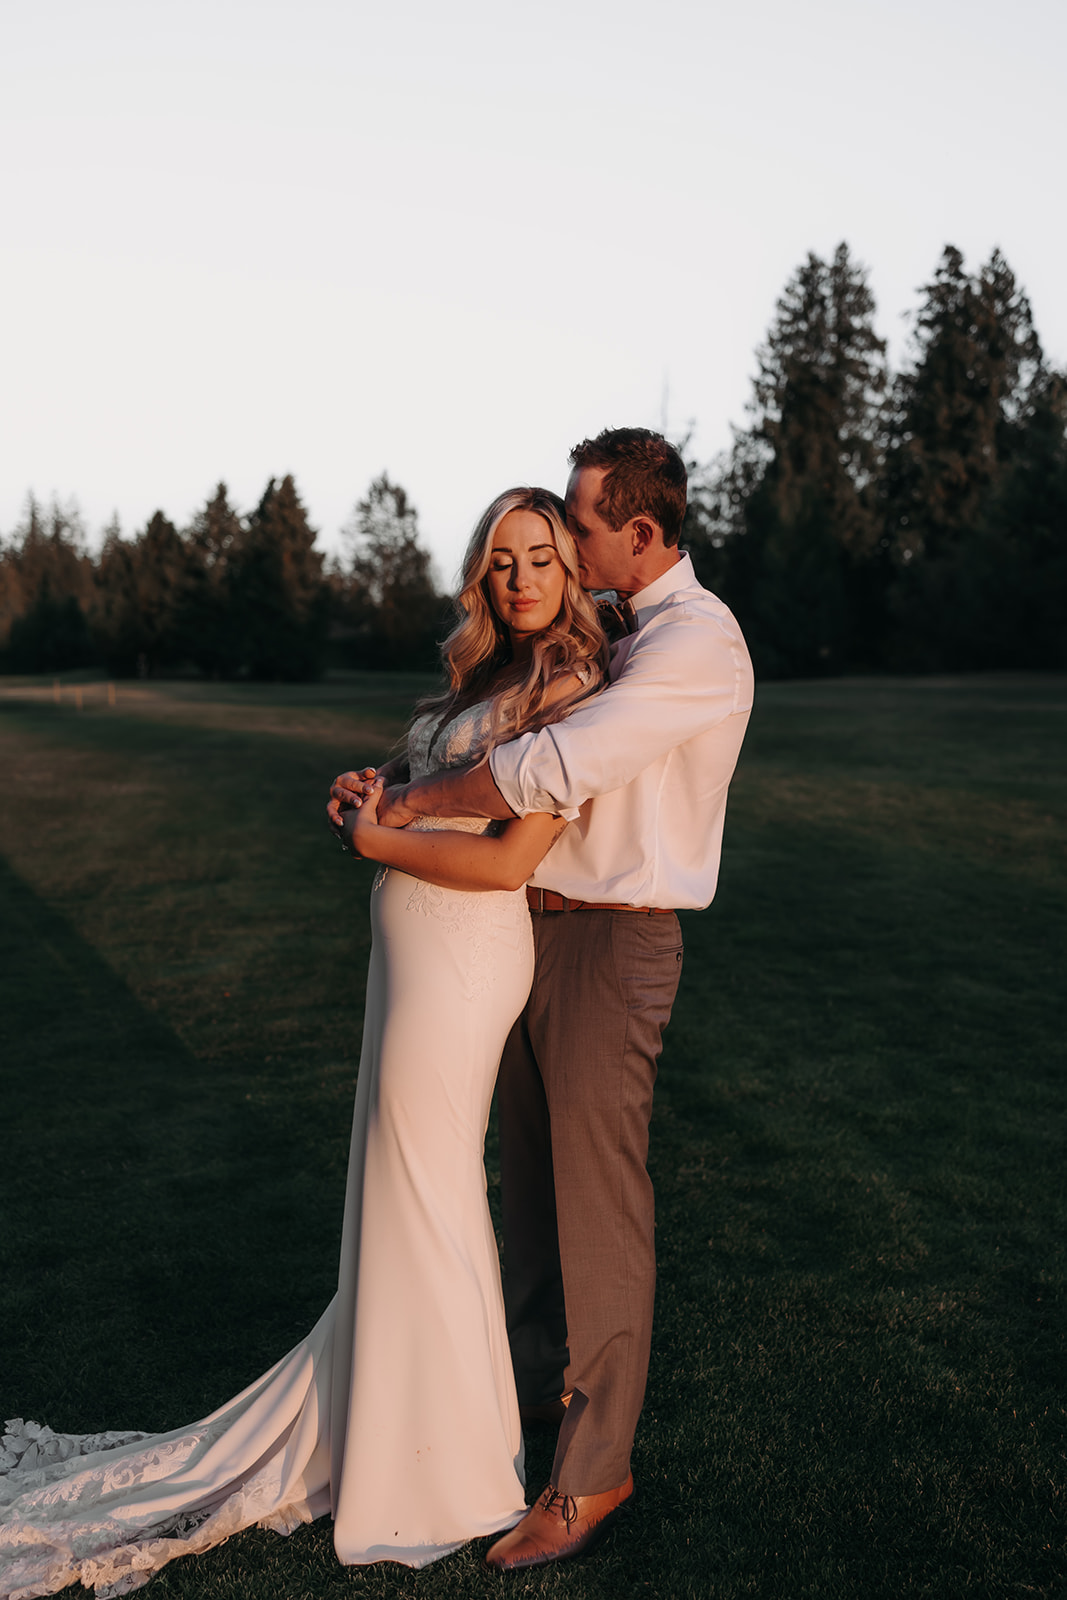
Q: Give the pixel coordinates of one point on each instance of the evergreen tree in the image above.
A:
(392, 600)
(115, 614)
(942, 441)
(141, 587)
(10, 597)
(1016, 566)
(960, 421)
(277, 597)
(787, 526)
(47, 591)
(212, 540)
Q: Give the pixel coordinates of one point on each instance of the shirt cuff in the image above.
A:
(511, 768)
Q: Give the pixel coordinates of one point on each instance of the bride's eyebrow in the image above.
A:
(504, 550)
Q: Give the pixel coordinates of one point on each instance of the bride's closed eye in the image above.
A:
(504, 566)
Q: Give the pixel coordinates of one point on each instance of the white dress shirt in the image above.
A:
(642, 770)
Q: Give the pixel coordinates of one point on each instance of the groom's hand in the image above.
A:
(394, 809)
(468, 791)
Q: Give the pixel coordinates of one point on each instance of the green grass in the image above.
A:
(857, 1385)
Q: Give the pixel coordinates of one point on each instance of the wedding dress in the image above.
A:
(398, 1412)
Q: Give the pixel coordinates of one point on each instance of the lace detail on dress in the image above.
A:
(432, 748)
(62, 1499)
(463, 738)
(464, 915)
(26, 1446)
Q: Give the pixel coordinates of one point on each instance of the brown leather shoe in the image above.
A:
(558, 1526)
(549, 1415)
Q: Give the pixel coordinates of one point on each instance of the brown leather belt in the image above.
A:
(549, 900)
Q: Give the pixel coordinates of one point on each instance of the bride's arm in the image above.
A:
(451, 859)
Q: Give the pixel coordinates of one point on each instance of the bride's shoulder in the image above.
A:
(443, 740)
(569, 684)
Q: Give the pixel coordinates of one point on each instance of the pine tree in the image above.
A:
(961, 415)
(390, 590)
(211, 540)
(277, 597)
(115, 613)
(48, 587)
(787, 525)
(943, 436)
(10, 596)
(1017, 564)
(141, 588)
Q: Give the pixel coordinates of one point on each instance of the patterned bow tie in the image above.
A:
(617, 618)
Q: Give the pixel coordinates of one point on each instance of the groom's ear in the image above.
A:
(644, 533)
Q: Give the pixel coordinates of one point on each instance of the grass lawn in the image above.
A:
(857, 1385)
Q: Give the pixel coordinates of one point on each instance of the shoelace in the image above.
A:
(568, 1506)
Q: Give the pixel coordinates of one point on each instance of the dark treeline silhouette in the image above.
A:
(863, 520)
(387, 609)
(915, 521)
(230, 595)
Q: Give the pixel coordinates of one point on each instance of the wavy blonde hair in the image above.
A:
(477, 653)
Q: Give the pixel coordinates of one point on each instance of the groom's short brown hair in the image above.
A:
(643, 476)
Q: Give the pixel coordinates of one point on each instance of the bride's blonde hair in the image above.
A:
(478, 649)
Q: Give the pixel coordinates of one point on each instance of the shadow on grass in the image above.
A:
(150, 1229)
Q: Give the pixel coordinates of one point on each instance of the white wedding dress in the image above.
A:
(397, 1413)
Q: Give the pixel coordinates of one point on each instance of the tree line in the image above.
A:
(862, 520)
(230, 595)
(910, 521)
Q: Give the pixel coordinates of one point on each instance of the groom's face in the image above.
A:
(605, 554)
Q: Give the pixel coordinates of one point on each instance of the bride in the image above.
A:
(397, 1413)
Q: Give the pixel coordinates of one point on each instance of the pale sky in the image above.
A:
(243, 238)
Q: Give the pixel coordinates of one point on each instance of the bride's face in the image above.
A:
(526, 578)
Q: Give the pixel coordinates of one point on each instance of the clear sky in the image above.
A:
(243, 238)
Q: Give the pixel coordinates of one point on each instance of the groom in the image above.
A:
(642, 771)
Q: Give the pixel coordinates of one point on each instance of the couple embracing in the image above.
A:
(561, 799)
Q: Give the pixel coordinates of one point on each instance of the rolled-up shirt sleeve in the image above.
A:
(684, 672)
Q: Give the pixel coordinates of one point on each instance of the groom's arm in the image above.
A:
(469, 791)
(687, 673)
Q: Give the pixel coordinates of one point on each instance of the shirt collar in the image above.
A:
(648, 601)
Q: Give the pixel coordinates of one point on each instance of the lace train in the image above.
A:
(40, 1554)
(109, 1510)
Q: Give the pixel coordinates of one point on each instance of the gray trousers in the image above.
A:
(575, 1097)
